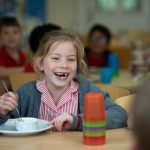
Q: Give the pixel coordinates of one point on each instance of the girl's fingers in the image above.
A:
(8, 102)
(4, 109)
(61, 121)
(7, 108)
(12, 95)
(52, 121)
(56, 123)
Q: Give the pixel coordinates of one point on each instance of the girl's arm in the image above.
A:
(116, 116)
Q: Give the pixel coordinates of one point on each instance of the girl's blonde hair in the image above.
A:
(60, 36)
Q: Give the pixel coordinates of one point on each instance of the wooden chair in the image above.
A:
(123, 54)
(114, 91)
(126, 102)
(19, 78)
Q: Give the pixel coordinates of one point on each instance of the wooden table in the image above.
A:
(117, 139)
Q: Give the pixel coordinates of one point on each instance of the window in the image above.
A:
(107, 5)
(131, 5)
(113, 5)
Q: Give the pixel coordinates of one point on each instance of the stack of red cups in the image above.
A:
(94, 120)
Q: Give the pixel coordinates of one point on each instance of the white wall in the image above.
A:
(62, 12)
(82, 14)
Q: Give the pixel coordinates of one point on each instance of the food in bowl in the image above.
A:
(26, 124)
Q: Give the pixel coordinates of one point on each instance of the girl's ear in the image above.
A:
(41, 67)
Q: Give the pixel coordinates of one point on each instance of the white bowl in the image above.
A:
(10, 124)
(28, 124)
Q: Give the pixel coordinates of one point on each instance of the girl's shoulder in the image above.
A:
(29, 86)
(86, 85)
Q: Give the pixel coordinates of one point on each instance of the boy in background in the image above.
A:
(34, 40)
(97, 51)
(12, 59)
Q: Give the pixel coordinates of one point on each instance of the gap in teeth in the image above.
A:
(61, 74)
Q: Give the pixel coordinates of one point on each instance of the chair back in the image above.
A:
(126, 102)
(114, 91)
(19, 78)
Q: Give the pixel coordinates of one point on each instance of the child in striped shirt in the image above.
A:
(59, 94)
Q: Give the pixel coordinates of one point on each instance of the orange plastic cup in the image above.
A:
(94, 109)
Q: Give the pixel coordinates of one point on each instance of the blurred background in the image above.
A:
(120, 16)
(128, 21)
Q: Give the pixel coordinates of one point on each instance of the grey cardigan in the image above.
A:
(30, 99)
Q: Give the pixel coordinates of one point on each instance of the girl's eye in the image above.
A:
(72, 59)
(55, 58)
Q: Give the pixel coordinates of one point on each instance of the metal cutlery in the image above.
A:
(16, 107)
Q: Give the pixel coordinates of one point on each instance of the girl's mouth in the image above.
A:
(61, 75)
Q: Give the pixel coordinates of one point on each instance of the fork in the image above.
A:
(20, 119)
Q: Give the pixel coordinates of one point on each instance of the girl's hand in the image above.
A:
(8, 101)
(62, 122)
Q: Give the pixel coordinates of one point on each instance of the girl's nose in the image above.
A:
(63, 64)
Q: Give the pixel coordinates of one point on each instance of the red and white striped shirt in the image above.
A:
(68, 102)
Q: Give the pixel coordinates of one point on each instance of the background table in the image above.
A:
(117, 139)
(124, 79)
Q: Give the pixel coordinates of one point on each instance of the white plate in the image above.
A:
(9, 128)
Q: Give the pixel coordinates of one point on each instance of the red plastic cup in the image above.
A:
(94, 109)
(93, 141)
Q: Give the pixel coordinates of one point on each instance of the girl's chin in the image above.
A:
(61, 85)
(61, 78)
(60, 82)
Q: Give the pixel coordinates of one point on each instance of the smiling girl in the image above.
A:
(59, 94)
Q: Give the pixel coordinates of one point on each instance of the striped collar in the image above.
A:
(47, 97)
(42, 86)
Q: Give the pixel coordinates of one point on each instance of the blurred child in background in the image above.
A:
(10, 38)
(98, 50)
(35, 37)
(12, 58)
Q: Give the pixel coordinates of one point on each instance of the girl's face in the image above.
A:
(60, 65)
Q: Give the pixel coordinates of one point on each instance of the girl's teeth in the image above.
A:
(62, 75)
